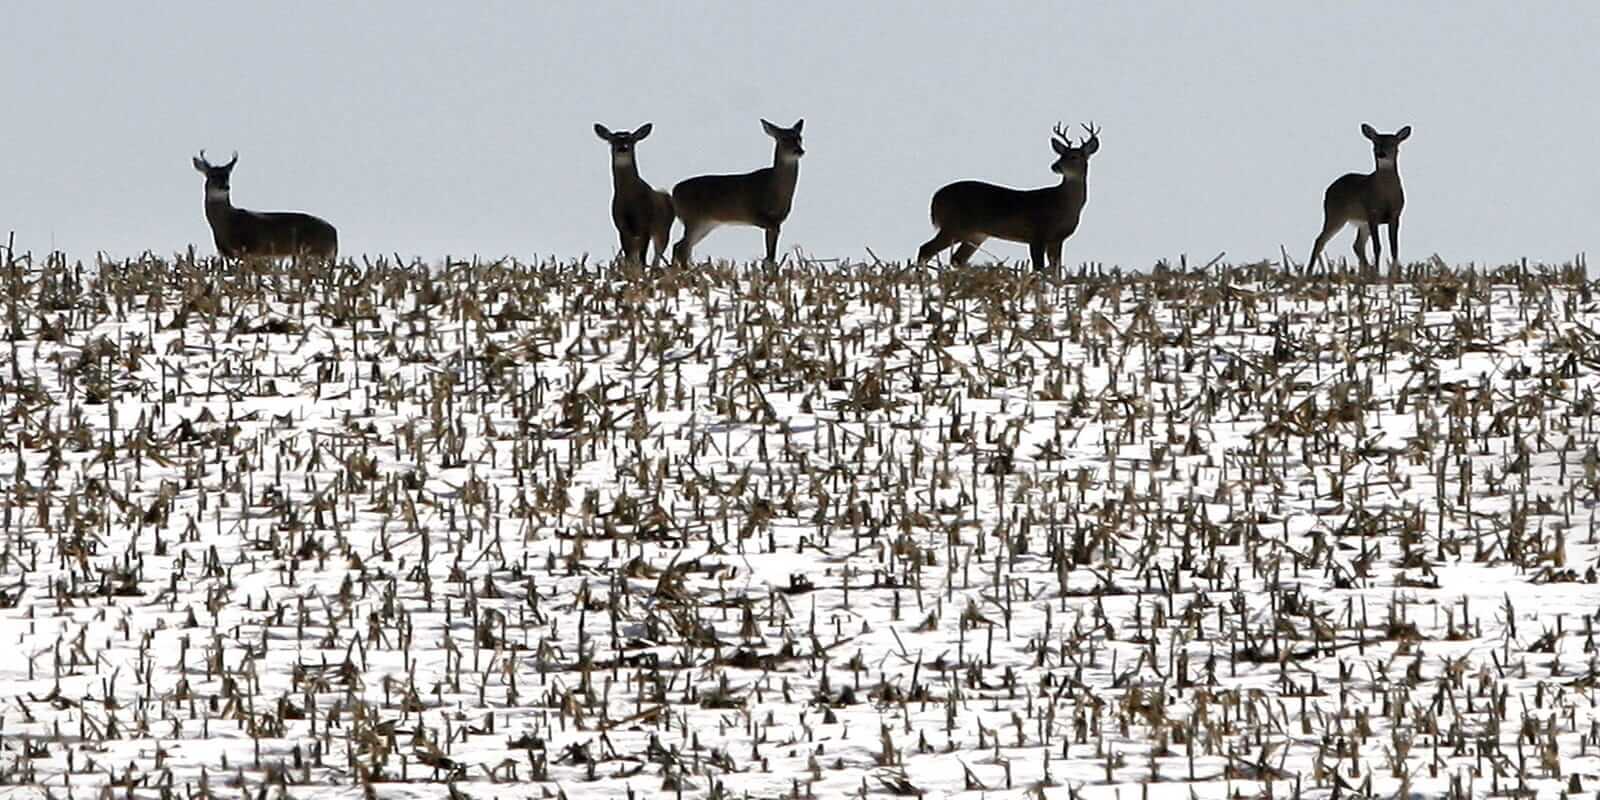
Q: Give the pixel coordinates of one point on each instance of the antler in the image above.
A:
(233, 160)
(1064, 133)
(1091, 129)
(203, 157)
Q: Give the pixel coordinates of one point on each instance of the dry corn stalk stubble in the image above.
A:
(506, 529)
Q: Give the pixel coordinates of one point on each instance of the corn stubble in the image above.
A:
(816, 530)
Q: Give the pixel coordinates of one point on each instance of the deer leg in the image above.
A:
(1055, 254)
(964, 252)
(660, 239)
(1377, 244)
(1036, 254)
(941, 241)
(625, 242)
(1394, 244)
(1329, 228)
(666, 213)
(772, 245)
(683, 251)
(1362, 234)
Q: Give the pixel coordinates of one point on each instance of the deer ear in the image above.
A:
(602, 131)
(799, 123)
(1367, 131)
(1058, 146)
(200, 166)
(1404, 133)
(1092, 146)
(643, 131)
(771, 129)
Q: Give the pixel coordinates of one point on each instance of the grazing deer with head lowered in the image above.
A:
(641, 213)
(968, 212)
(761, 199)
(1367, 200)
(240, 233)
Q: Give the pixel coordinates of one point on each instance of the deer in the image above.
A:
(969, 212)
(271, 234)
(760, 199)
(641, 213)
(1367, 200)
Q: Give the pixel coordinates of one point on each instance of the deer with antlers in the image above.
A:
(968, 212)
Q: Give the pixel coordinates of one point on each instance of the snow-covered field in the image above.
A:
(503, 530)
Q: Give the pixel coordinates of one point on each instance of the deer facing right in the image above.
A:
(968, 212)
(761, 198)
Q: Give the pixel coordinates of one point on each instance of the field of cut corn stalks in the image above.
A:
(477, 530)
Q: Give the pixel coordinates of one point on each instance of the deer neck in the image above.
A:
(1387, 169)
(625, 177)
(785, 173)
(1075, 185)
(219, 208)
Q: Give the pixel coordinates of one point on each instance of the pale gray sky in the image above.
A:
(427, 128)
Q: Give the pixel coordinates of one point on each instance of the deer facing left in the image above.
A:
(642, 214)
(240, 233)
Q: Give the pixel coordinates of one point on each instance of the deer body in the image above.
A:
(761, 199)
(1367, 200)
(240, 233)
(642, 214)
(966, 213)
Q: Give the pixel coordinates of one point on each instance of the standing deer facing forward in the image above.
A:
(761, 199)
(641, 213)
(1367, 201)
(968, 212)
(240, 233)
